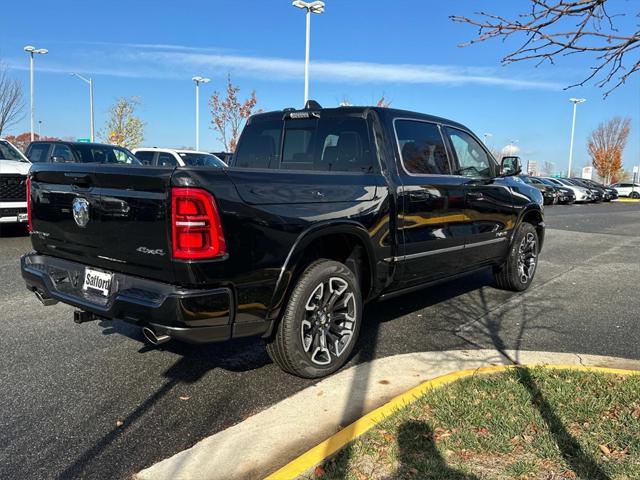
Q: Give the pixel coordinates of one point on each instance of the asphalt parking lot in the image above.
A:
(92, 401)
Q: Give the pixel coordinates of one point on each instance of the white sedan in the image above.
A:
(169, 157)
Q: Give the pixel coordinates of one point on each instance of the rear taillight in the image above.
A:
(195, 225)
(29, 203)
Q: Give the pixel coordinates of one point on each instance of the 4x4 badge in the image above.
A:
(80, 208)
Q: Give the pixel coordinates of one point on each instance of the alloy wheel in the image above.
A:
(527, 256)
(329, 321)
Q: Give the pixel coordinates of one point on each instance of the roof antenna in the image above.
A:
(312, 105)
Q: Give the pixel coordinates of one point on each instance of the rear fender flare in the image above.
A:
(532, 211)
(297, 252)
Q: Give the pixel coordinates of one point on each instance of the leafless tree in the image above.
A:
(554, 28)
(11, 104)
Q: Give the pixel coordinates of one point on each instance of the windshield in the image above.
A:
(201, 160)
(554, 181)
(9, 152)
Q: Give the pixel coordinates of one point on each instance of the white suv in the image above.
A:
(627, 189)
(168, 157)
(14, 168)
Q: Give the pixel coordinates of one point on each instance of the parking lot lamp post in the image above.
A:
(310, 7)
(31, 50)
(198, 80)
(575, 102)
(88, 81)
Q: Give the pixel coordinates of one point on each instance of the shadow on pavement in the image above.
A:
(13, 230)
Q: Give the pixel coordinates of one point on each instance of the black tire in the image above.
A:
(297, 346)
(523, 253)
(634, 195)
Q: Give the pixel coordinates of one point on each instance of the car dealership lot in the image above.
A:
(80, 401)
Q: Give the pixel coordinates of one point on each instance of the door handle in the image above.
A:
(419, 195)
(476, 195)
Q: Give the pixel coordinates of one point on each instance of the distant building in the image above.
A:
(587, 172)
(532, 167)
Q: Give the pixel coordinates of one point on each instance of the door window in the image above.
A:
(259, 145)
(166, 160)
(146, 157)
(473, 160)
(421, 148)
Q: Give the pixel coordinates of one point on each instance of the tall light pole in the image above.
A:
(310, 7)
(88, 81)
(198, 80)
(31, 50)
(485, 136)
(575, 102)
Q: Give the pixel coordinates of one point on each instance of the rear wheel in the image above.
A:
(634, 195)
(517, 272)
(321, 321)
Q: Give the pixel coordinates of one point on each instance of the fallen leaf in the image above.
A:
(384, 382)
(569, 474)
(119, 423)
(184, 397)
(604, 449)
(319, 471)
(636, 413)
(320, 393)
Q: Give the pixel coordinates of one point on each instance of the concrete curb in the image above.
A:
(274, 437)
(337, 442)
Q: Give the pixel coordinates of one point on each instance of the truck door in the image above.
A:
(431, 205)
(488, 203)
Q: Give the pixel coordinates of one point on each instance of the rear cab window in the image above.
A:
(331, 143)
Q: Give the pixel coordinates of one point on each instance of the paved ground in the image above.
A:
(64, 387)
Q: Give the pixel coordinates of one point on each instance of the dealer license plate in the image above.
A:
(97, 281)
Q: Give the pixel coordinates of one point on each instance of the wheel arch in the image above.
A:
(533, 215)
(333, 240)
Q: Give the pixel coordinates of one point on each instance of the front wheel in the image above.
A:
(518, 270)
(321, 321)
(634, 195)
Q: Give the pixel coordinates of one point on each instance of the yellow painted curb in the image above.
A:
(331, 445)
(627, 200)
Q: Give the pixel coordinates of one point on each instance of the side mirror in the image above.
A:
(510, 166)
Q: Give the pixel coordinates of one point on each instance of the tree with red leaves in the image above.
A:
(606, 144)
(229, 114)
(23, 140)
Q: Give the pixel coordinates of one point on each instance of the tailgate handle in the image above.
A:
(79, 179)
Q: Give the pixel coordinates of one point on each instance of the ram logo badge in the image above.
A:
(80, 209)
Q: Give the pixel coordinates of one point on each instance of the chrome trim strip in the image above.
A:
(445, 250)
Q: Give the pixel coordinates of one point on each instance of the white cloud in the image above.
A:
(177, 61)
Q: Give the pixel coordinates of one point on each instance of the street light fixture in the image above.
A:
(198, 80)
(310, 7)
(485, 136)
(575, 102)
(89, 81)
(31, 50)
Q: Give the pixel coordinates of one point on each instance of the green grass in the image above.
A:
(523, 424)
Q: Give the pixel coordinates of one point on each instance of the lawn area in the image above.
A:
(522, 423)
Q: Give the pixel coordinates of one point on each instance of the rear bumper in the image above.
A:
(195, 316)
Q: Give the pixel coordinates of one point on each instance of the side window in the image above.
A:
(166, 160)
(473, 161)
(421, 148)
(38, 153)
(61, 154)
(146, 158)
(259, 145)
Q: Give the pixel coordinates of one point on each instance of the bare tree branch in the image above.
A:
(11, 103)
(555, 28)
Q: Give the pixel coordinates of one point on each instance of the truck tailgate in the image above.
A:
(109, 216)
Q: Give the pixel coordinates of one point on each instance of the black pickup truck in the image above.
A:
(320, 211)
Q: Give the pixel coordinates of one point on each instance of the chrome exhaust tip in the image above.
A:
(46, 301)
(153, 338)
